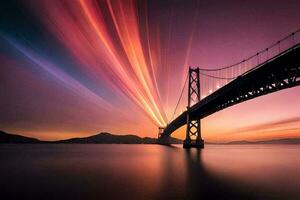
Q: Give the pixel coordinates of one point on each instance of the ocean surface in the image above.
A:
(97, 171)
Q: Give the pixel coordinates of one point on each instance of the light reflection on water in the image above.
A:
(88, 171)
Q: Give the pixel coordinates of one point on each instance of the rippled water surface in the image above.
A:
(92, 171)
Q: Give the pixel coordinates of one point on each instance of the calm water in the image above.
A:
(86, 171)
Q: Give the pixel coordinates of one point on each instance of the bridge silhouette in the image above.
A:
(272, 69)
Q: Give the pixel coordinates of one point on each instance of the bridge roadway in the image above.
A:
(277, 73)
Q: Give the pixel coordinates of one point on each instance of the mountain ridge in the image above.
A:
(108, 138)
(14, 138)
(101, 138)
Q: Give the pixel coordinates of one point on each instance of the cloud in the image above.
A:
(285, 124)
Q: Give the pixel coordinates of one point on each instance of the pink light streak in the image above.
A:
(105, 38)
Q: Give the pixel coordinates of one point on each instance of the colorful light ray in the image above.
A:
(112, 38)
(67, 80)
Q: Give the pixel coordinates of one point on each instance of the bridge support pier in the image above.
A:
(199, 144)
(161, 139)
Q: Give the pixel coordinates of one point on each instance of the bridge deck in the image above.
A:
(277, 73)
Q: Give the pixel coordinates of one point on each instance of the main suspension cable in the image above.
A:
(217, 77)
(179, 97)
(264, 50)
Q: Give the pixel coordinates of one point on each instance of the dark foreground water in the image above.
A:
(86, 171)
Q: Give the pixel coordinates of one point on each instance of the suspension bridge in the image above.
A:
(210, 90)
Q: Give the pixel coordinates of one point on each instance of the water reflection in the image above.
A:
(202, 185)
(185, 177)
(69, 171)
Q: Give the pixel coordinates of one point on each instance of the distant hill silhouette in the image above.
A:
(101, 138)
(12, 138)
(108, 138)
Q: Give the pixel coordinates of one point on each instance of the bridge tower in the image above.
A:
(193, 126)
(160, 131)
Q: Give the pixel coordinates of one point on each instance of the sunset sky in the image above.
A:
(74, 68)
